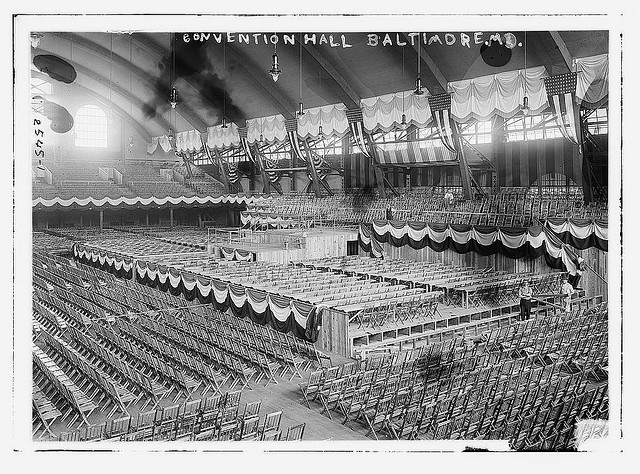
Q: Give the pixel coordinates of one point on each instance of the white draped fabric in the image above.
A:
(163, 141)
(221, 138)
(498, 94)
(580, 231)
(233, 199)
(384, 113)
(272, 129)
(593, 79)
(188, 141)
(333, 119)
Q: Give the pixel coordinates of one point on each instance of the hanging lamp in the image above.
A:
(525, 100)
(419, 90)
(275, 69)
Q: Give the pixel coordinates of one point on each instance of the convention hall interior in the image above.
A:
(319, 236)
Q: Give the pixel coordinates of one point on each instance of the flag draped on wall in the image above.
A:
(354, 116)
(561, 92)
(441, 110)
(242, 132)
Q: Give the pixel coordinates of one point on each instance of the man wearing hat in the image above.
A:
(566, 290)
(525, 293)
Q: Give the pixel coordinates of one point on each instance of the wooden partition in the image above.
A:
(334, 333)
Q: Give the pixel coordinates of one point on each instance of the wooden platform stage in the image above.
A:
(285, 245)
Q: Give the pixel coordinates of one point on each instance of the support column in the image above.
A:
(171, 218)
(81, 223)
(315, 179)
(465, 172)
(147, 218)
(101, 219)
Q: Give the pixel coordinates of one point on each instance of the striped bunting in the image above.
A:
(242, 132)
(269, 167)
(414, 153)
(441, 110)
(233, 175)
(356, 126)
(561, 90)
(291, 127)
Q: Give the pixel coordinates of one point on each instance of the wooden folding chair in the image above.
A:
(271, 424)
(295, 433)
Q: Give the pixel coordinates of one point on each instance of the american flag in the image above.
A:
(354, 116)
(561, 92)
(242, 132)
(440, 106)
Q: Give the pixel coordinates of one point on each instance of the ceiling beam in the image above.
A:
(263, 82)
(429, 62)
(142, 131)
(351, 95)
(139, 104)
(543, 55)
(141, 76)
(562, 47)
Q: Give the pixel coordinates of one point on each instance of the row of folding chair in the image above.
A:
(68, 358)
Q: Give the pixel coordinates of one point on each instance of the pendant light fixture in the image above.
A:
(300, 111)
(224, 96)
(275, 69)
(173, 97)
(320, 132)
(419, 90)
(261, 139)
(109, 110)
(525, 101)
(171, 136)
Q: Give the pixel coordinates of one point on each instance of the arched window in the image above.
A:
(91, 127)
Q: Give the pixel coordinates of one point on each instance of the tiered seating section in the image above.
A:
(202, 183)
(106, 349)
(81, 179)
(528, 383)
(511, 207)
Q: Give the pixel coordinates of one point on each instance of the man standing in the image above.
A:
(525, 293)
(566, 290)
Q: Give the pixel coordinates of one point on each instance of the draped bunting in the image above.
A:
(235, 254)
(580, 233)
(501, 94)
(269, 165)
(384, 113)
(222, 138)
(233, 174)
(561, 91)
(281, 313)
(292, 133)
(333, 119)
(441, 109)
(356, 127)
(163, 141)
(593, 80)
(369, 245)
(242, 132)
(251, 220)
(271, 128)
(142, 202)
(484, 240)
(188, 141)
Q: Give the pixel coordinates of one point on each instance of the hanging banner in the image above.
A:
(561, 92)
(441, 109)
